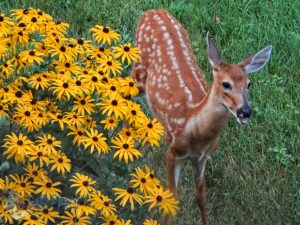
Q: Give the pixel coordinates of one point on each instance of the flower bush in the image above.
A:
(70, 131)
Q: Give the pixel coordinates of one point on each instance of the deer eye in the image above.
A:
(249, 85)
(226, 86)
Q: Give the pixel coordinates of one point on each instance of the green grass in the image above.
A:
(248, 181)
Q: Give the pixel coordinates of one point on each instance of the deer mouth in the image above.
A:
(242, 120)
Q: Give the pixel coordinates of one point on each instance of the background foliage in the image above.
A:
(254, 178)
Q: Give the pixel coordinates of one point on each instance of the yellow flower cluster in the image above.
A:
(75, 87)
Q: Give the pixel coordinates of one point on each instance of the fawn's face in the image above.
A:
(232, 84)
(231, 81)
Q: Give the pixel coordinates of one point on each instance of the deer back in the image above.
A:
(173, 82)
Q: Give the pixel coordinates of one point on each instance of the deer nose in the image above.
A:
(244, 112)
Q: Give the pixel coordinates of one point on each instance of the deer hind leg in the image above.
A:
(173, 172)
(200, 186)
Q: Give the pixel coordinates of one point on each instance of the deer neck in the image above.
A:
(210, 118)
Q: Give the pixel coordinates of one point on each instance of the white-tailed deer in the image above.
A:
(178, 94)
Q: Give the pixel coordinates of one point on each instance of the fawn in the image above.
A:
(193, 113)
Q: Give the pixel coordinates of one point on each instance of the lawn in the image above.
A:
(255, 176)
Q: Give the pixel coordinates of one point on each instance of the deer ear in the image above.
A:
(213, 53)
(257, 60)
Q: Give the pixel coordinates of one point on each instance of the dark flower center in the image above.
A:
(159, 198)
(111, 121)
(82, 102)
(34, 19)
(85, 72)
(152, 176)
(114, 102)
(27, 113)
(50, 141)
(38, 79)
(19, 94)
(40, 154)
(104, 80)
(40, 114)
(35, 173)
(25, 11)
(80, 41)
(1, 18)
(67, 65)
(143, 180)
(71, 45)
(45, 211)
(133, 112)
(62, 48)
(125, 146)
(130, 190)
(1, 107)
(31, 53)
(94, 79)
(59, 117)
(100, 72)
(65, 85)
(75, 116)
(33, 101)
(85, 183)
(40, 13)
(113, 88)
(78, 82)
(23, 185)
(33, 217)
(150, 125)
(111, 222)
(95, 138)
(106, 204)
(109, 63)
(5, 65)
(60, 160)
(128, 133)
(126, 49)
(22, 25)
(79, 133)
(101, 49)
(49, 185)
(20, 142)
(20, 33)
(105, 30)
(131, 84)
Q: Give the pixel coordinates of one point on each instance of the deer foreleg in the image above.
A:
(200, 187)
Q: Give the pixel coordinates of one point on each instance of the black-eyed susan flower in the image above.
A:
(40, 155)
(78, 134)
(82, 206)
(33, 171)
(134, 114)
(110, 219)
(127, 53)
(3, 109)
(110, 122)
(128, 195)
(38, 81)
(109, 65)
(64, 53)
(75, 218)
(64, 89)
(150, 222)
(164, 200)
(5, 213)
(127, 132)
(95, 140)
(129, 87)
(142, 181)
(155, 182)
(104, 34)
(30, 57)
(151, 131)
(48, 143)
(102, 203)
(47, 213)
(92, 80)
(89, 123)
(125, 149)
(125, 222)
(48, 188)
(84, 105)
(83, 184)
(58, 118)
(60, 162)
(32, 219)
(17, 146)
(74, 118)
(22, 185)
(114, 105)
